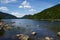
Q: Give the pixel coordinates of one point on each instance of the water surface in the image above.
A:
(27, 26)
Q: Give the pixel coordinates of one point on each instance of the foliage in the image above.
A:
(6, 16)
(50, 13)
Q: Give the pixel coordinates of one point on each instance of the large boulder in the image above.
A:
(22, 37)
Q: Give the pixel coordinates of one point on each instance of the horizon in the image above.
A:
(20, 8)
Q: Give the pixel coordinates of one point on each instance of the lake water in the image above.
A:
(27, 26)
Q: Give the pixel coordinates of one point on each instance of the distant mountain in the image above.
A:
(50, 13)
(6, 16)
(26, 16)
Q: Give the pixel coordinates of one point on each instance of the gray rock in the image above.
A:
(58, 33)
(22, 37)
(49, 38)
(33, 33)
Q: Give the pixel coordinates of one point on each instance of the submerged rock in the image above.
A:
(2, 22)
(9, 28)
(6, 25)
(18, 27)
(38, 25)
(12, 22)
(2, 31)
(28, 25)
(22, 37)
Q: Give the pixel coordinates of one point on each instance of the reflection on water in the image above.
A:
(27, 26)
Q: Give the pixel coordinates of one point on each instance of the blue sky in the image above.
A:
(20, 8)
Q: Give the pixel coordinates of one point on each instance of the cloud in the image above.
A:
(32, 10)
(3, 9)
(7, 1)
(17, 14)
(20, 6)
(25, 4)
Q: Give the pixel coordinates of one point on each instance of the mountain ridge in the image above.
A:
(6, 16)
(49, 13)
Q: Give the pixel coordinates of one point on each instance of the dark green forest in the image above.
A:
(6, 16)
(49, 13)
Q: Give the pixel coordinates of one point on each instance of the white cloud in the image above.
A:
(20, 6)
(17, 14)
(3, 9)
(32, 10)
(7, 1)
(25, 4)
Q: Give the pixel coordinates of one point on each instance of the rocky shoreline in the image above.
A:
(23, 36)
